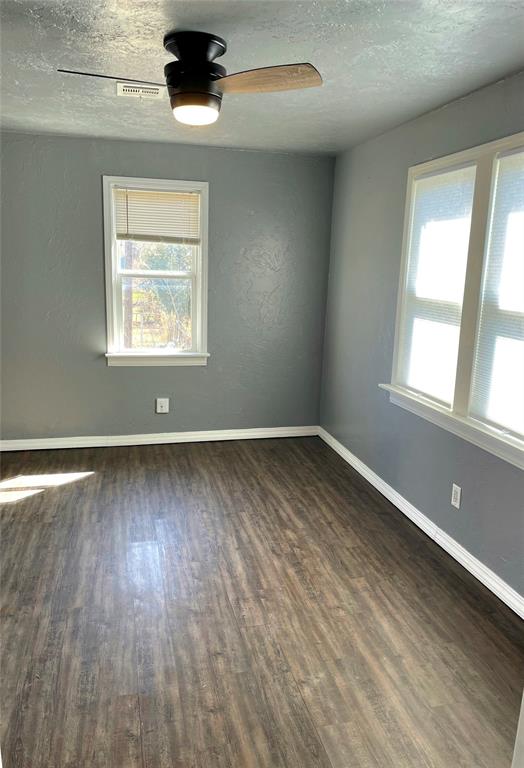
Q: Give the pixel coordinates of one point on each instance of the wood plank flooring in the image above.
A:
(248, 604)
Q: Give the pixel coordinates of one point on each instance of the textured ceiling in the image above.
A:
(383, 62)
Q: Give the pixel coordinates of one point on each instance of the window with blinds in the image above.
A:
(497, 393)
(432, 309)
(459, 343)
(155, 271)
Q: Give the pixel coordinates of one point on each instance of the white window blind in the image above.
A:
(157, 215)
(497, 394)
(432, 298)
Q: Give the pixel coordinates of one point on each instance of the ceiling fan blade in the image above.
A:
(110, 77)
(286, 77)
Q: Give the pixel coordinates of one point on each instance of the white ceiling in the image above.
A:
(383, 62)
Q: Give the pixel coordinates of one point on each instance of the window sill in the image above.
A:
(156, 358)
(500, 444)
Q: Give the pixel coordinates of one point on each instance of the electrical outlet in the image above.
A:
(456, 492)
(162, 405)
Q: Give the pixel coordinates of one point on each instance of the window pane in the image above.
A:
(505, 404)
(432, 303)
(497, 394)
(134, 254)
(442, 257)
(440, 235)
(156, 313)
(433, 358)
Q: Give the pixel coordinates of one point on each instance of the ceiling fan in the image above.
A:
(196, 84)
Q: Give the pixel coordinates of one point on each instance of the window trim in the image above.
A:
(456, 419)
(115, 356)
(493, 440)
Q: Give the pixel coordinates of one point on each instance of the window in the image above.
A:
(432, 307)
(459, 345)
(497, 395)
(156, 271)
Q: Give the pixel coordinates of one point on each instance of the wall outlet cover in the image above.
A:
(456, 492)
(162, 405)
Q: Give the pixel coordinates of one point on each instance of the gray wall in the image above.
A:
(418, 459)
(269, 222)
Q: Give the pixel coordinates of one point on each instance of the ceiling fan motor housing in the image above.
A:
(193, 79)
(194, 83)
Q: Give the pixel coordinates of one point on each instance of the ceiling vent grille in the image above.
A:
(139, 91)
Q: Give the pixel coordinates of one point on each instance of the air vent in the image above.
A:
(139, 91)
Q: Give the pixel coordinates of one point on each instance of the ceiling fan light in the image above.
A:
(196, 108)
(195, 114)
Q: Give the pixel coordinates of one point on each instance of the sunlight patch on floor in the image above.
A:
(7, 496)
(22, 486)
(43, 481)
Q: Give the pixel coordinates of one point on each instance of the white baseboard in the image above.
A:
(104, 441)
(484, 574)
(494, 583)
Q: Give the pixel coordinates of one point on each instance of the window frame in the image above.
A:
(456, 418)
(114, 355)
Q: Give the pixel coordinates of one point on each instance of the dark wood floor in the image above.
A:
(241, 605)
